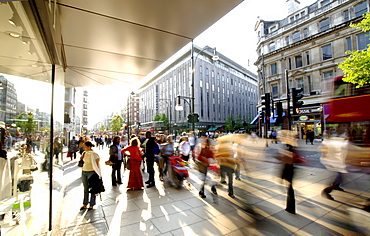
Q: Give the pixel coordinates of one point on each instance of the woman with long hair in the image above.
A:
(91, 167)
(135, 181)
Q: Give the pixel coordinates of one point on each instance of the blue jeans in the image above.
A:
(85, 181)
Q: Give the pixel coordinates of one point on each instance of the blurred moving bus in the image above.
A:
(349, 115)
(152, 126)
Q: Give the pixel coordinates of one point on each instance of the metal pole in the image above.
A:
(192, 86)
(128, 119)
(288, 100)
(51, 153)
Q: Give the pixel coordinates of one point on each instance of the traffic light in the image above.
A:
(190, 118)
(265, 101)
(196, 117)
(296, 96)
(262, 117)
(279, 109)
(193, 117)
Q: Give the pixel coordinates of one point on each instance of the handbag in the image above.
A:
(109, 163)
(69, 154)
(80, 163)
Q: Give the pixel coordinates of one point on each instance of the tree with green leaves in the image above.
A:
(164, 118)
(230, 122)
(116, 123)
(356, 67)
(27, 126)
(156, 117)
(102, 129)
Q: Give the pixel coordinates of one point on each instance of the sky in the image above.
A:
(233, 36)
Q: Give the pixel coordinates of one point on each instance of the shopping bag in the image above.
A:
(69, 154)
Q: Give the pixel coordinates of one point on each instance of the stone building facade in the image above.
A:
(222, 88)
(303, 50)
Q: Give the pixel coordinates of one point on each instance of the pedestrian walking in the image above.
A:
(184, 148)
(151, 149)
(167, 150)
(116, 157)
(225, 158)
(73, 148)
(205, 157)
(334, 153)
(135, 181)
(90, 168)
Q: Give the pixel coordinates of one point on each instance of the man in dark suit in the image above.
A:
(116, 157)
(150, 145)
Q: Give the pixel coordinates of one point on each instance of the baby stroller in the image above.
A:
(178, 171)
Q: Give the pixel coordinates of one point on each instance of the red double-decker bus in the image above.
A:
(349, 109)
(348, 114)
(153, 126)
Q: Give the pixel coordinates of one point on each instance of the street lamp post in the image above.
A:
(215, 58)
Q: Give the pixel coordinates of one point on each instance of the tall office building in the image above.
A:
(222, 89)
(8, 100)
(303, 50)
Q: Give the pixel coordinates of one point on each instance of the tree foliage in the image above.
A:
(116, 123)
(156, 117)
(102, 129)
(29, 125)
(356, 67)
(164, 118)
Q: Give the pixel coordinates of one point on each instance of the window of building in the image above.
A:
(297, 16)
(324, 25)
(361, 9)
(300, 84)
(275, 91)
(309, 83)
(273, 69)
(296, 36)
(303, 13)
(305, 32)
(345, 15)
(308, 62)
(328, 74)
(325, 2)
(349, 44)
(298, 61)
(287, 40)
(289, 63)
(273, 28)
(362, 41)
(326, 52)
(272, 47)
(291, 18)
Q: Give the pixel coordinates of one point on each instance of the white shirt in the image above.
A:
(184, 148)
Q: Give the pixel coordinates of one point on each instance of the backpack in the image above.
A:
(156, 149)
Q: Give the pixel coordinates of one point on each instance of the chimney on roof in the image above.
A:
(293, 6)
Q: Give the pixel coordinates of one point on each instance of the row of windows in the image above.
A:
(326, 53)
(323, 25)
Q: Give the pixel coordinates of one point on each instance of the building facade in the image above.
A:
(130, 113)
(8, 100)
(303, 50)
(222, 89)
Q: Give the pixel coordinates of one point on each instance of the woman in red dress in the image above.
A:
(135, 181)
